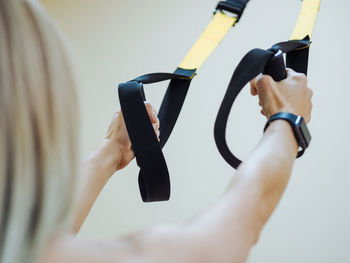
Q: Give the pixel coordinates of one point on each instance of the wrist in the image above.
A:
(298, 125)
(281, 126)
(104, 159)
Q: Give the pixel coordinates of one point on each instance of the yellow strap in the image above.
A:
(307, 19)
(208, 41)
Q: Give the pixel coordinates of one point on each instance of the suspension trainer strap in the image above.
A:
(154, 179)
(307, 19)
(267, 62)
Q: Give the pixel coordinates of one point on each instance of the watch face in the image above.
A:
(303, 133)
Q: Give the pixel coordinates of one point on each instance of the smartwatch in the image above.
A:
(300, 130)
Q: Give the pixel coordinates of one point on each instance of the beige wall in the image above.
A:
(115, 41)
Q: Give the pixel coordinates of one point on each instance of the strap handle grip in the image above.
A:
(276, 67)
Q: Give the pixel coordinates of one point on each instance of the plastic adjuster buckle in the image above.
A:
(233, 6)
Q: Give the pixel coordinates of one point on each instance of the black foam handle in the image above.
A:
(276, 67)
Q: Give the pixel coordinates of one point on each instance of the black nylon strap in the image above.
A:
(154, 179)
(172, 103)
(251, 65)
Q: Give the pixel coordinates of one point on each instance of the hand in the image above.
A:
(114, 152)
(111, 154)
(289, 95)
(119, 138)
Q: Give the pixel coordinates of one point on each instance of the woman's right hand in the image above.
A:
(289, 95)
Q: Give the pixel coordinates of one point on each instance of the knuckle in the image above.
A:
(300, 77)
(264, 83)
(309, 118)
(266, 79)
(290, 71)
(311, 92)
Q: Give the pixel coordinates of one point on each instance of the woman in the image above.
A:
(43, 205)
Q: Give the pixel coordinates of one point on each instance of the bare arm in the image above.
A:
(112, 154)
(227, 230)
(224, 233)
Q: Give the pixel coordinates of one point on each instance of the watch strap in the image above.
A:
(291, 119)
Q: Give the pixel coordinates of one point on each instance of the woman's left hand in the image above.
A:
(118, 137)
(114, 152)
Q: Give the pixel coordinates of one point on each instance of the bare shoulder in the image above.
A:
(69, 248)
(202, 242)
(153, 245)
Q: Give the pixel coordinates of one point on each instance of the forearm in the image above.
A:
(95, 172)
(113, 153)
(234, 223)
(266, 172)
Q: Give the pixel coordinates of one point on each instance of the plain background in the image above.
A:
(114, 41)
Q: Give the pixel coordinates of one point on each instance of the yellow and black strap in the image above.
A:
(154, 179)
(269, 62)
(307, 19)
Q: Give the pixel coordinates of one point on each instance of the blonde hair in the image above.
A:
(38, 124)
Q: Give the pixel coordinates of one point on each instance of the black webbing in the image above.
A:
(154, 180)
(255, 62)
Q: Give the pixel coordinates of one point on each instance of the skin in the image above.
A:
(112, 154)
(223, 233)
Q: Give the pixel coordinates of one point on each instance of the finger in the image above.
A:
(290, 72)
(308, 110)
(151, 113)
(253, 85)
(253, 90)
(156, 130)
(310, 93)
(115, 117)
(154, 110)
(309, 104)
(301, 77)
(255, 80)
(155, 125)
(309, 107)
(264, 85)
(263, 81)
(307, 118)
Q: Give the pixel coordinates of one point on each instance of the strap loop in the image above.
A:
(254, 63)
(154, 182)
